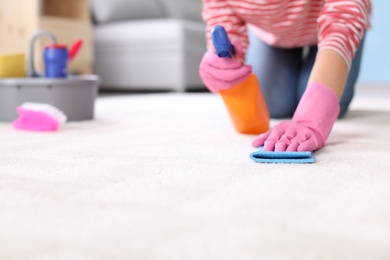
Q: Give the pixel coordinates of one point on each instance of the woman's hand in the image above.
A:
(310, 126)
(223, 73)
(289, 136)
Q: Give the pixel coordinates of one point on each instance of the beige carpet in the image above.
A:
(164, 176)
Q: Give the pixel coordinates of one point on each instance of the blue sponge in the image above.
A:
(262, 156)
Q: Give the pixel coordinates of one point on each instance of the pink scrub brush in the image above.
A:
(39, 117)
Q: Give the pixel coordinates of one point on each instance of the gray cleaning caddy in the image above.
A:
(74, 95)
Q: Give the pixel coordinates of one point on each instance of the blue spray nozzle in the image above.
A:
(221, 42)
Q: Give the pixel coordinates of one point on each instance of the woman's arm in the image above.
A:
(218, 74)
(341, 25)
(219, 12)
(331, 69)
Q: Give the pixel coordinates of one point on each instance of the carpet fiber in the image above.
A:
(164, 176)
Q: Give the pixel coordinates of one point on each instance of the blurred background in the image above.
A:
(376, 58)
(188, 32)
(147, 44)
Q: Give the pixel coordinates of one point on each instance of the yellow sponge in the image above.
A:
(12, 65)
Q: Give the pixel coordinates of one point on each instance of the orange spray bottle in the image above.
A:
(245, 101)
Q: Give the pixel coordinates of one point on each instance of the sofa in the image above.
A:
(148, 44)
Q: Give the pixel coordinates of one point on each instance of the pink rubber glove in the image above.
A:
(223, 73)
(310, 126)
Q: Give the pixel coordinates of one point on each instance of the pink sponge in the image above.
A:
(39, 117)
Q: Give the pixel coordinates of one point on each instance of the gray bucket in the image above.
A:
(74, 95)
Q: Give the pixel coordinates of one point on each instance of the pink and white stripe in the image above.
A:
(332, 24)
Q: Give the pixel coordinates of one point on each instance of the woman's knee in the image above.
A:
(279, 110)
(343, 110)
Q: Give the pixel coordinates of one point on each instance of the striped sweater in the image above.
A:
(332, 24)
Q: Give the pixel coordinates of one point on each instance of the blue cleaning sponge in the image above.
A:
(262, 156)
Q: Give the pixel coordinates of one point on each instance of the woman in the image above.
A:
(306, 54)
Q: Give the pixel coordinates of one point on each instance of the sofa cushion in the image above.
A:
(150, 54)
(105, 11)
(183, 9)
(150, 35)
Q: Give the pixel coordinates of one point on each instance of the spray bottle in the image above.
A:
(245, 101)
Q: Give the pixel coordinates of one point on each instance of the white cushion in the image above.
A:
(184, 9)
(164, 34)
(118, 10)
(149, 54)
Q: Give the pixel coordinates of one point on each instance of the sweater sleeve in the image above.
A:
(219, 12)
(342, 24)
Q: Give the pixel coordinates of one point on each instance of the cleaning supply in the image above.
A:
(261, 156)
(244, 101)
(39, 117)
(56, 56)
(310, 126)
(74, 95)
(12, 65)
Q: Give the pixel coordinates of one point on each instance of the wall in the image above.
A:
(376, 57)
